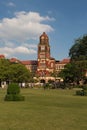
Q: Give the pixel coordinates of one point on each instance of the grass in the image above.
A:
(44, 110)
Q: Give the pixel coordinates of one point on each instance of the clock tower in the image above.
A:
(43, 55)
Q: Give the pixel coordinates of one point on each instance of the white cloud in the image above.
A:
(25, 50)
(17, 31)
(8, 51)
(30, 45)
(11, 4)
(24, 26)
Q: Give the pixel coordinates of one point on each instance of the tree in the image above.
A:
(78, 51)
(82, 92)
(55, 74)
(78, 55)
(4, 69)
(13, 93)
(74, 72)
(19, 73)
(68, 73)
(13, 72)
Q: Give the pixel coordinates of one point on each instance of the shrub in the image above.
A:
(47, 86)
(10, 97)
(13, 89)
(84, 88)
(85, 93)
(18, 97)
(13, 93)
(82, 92)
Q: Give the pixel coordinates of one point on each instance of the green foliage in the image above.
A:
(50, 81)
(13, 93)
(19, 73)
(69, 73)
(85, 90)
(14, 72)
(79, 50)
(8, 97)
(46, 85)
(54, 74)
(85, 93)
(74, 72)
(84, 87)
(82, 92)
(13, 97)
(4, 69)
(13, 89)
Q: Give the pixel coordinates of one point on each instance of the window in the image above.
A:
(42, 65)
(51, 65)
(42, 48)
(42, 56)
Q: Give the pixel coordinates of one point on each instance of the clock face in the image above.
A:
(42, 37)
(42, 48)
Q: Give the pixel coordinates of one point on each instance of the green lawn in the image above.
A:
(44, 110)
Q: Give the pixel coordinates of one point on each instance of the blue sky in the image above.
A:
(23, 21)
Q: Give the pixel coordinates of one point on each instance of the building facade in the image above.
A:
(30, 65)
(45, 65)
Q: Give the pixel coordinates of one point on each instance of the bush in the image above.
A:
(82, 92)
(13, 93)
(85, 93)
(10, 97)
(13, 89)
(46, 85)
(84, 88)
(18, 97)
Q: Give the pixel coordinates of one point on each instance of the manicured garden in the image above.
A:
(56, 109)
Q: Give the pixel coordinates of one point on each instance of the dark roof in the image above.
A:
(29, 62)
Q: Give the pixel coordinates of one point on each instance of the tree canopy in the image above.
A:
(76, 69)
(74, 72)
(19, 73)
(14, 72)
(4, 69)
(79, 50)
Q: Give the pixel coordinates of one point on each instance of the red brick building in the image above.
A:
(31, 65)
(59, 65)
(46, 63)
